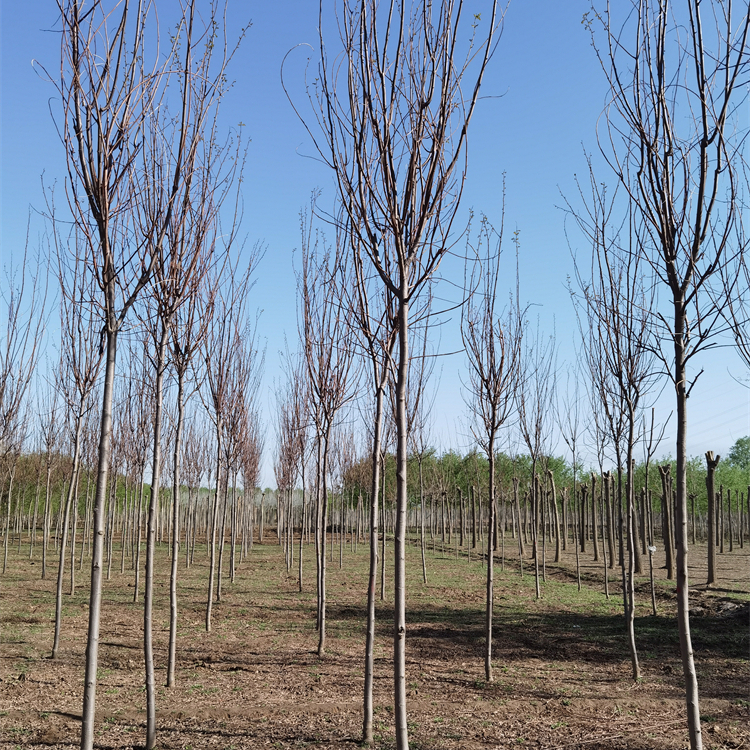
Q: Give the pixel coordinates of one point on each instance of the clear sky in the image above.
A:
(542, 98)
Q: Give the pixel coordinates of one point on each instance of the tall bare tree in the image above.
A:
(329, 356)
(492, 339)
(670, 138)
(244, 372)
(290, 436)
(392, 123)
(181, 264)
(620, 345)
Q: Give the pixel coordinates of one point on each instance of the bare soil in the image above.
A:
(562, 668)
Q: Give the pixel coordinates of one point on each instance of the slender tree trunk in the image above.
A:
(556, 518)
(367, 731)
(63, 544)
(148, 597)
(636, 540)
(720, 512)
(7, 522)
(577, 521)
(214, 511)
(262, 516)
(517, 505)
(139, 523)
(32, 541)
(604, 546)
(632, 551)
(667, 525)
(97, 551)
(302, 531)
(594, 524)
(73, 538)
(421, 523)
(222, 534)
(324, 526)
(176, 467)
(683, 604)
(399, 593)
(711, 463)
(45, 521)
(383, 533)
(473, 518)
(490, 566)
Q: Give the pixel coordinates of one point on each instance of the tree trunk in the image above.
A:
(97, 551)
(666, 523)
(45, 521)
(66, 520)
(421, 523)
(148, 596)
(556, 515)
(712, 464)
(490, 566)
(683, 604)
(632, 550)
(137, 558)
(324, 529)
(399, 592)
(212, 523)
(367, 731)
(176, 466)
(594, 524)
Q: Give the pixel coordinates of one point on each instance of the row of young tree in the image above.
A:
(145, 247)
(448, 513)
(449, 490)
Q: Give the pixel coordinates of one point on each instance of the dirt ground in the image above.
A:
(562, 668)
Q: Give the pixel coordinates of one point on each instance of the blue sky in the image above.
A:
(542, 98)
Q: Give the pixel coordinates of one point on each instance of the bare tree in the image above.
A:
(329, 355)
(290, 435)
(20, 347)
(570, 422)
(392, 122)
(492, 339)
(182, 262)
(252, 451)
(670, 140)
(218, 346)
(619, 300)
(244, 372)
(137, 424)
(299, 403)
(535, 401)
(81, 359)
(419, 408)
(50, 424)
